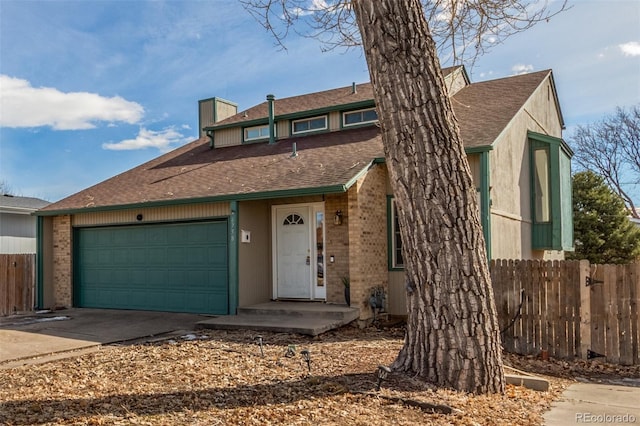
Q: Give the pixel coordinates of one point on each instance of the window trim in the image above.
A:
(309, 119)
(393, 264)
(542, 197)
(259, 138)
(557, 233)
(359, 123)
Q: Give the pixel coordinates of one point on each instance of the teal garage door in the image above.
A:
(162, 267)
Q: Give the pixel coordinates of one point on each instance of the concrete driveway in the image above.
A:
(53, 334)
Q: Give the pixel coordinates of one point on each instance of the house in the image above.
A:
(633, 219)
(17, 225)
(285, 199)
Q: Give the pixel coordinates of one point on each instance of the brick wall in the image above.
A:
(62, 261)
(337, 245)
(368, 237)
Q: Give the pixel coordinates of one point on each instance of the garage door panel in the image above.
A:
(219, 256)
(169, 267)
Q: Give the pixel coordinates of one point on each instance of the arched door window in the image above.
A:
(293, 219)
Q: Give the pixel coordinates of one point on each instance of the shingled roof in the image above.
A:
(485, 109)
(326, 162)
(16, 204)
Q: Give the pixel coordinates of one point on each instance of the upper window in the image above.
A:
(551, 205)
(256, 132)
(541, 185)
(362, 116)
(309, 124)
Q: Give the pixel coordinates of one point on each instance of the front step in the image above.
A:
(310, 319)
(302, 309)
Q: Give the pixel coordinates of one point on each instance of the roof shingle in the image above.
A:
(195, 171)
(324, 160)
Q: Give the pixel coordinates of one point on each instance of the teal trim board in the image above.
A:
(39, 303)
(233, 258)
(485, 200)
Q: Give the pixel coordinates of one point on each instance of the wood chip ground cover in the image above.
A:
(218, 377)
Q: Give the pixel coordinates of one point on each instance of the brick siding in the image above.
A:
(368, 238)
(62, 261)
(337, 245)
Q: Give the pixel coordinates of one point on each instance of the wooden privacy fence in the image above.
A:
(569, 309)
(17, 283)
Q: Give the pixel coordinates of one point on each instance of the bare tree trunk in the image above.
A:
(452, 337)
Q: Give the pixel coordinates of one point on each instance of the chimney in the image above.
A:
(213, 110)
(271, 100)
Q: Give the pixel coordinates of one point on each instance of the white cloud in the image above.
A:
(521, 69)
(164, 140)
(631, 48)
(23, 105)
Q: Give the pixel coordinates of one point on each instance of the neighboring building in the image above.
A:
(283, 200)
(17, 224)
(634, 220)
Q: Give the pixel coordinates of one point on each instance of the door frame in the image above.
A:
(311, 209)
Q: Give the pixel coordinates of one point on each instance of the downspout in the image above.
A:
(271, 105)
(209, 134)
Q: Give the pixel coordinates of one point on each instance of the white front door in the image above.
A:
(293, 265)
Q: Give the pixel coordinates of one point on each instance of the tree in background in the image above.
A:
(452, 336)
(611, 148)
(602, 229)
(5, 188)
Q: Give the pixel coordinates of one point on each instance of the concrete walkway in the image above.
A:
(25, 337)
(594, 403)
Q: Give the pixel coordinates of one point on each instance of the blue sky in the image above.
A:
(89, 89)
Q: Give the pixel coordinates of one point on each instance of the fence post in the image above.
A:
(585, 309)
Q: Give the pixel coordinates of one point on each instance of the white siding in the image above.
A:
(17, 233)
(17, 245)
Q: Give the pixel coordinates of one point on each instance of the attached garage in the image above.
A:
(176, 267)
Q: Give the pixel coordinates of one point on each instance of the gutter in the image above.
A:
(294, 115)
(18, 210)
(330, 189)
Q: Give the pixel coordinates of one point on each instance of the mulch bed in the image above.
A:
(219, 377)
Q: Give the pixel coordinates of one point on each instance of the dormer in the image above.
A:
(275, 119)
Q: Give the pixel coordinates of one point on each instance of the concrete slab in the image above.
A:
(37, 335)
(528, 381)
(310, 326)
(309, 318)
(595, 403)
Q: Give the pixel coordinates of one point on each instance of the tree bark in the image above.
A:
(452, 336)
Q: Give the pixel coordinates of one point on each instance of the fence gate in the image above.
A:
(17, 283)
(613, 313)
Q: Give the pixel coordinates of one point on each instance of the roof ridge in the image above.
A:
(527, 74)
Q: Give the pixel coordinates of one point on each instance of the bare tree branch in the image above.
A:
(462, 29)
(611, 148)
